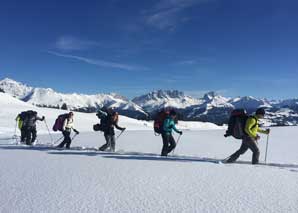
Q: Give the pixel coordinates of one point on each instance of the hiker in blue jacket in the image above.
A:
(167, 138)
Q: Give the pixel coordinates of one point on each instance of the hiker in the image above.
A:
(19, 120)
(250, 137)
(27, 124)
(109, 120)
(167, 138)
(66, 130)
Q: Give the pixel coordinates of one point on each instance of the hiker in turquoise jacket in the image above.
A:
(167, 138)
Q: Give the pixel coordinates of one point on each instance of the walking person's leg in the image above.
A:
(61, 145)
(23, 135)
(107, 144)
(113, 143)
(164, 151)
(67, 140)
(34, 135)
(243, 148)
(28, 136)
(252, 145)
(172, 143)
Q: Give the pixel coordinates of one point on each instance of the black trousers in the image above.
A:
(23, 135)
(28, 135)
(168, 144)
(247, 143)
(66, 140)
(110, 143)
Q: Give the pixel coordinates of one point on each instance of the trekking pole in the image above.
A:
(119, 135)
(15, 132)
(176, 144)
(73, 137)
(57, 141)
(48, 130)
(266, 148)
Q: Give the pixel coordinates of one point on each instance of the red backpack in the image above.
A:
(159, 120)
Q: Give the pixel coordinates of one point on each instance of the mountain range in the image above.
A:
(210, 108)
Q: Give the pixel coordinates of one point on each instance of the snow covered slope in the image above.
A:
(47, 97)
(137, 179)
(11, 107)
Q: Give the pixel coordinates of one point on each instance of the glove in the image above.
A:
(180, 132)
(267, 131)
(76, 131)
(42, 118)
(257, 137)
(123, 129)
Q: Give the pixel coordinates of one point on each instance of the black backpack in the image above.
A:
(104, 122)
(26, 116)
(237, 124)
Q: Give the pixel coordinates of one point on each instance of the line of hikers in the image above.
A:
(241, 126)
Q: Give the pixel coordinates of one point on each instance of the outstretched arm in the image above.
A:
(267, 131)
(40, 118)
(175, 128)
(119, 128)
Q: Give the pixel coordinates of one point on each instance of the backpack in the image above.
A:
(159, 120)
(105, 121)
(24, 117)
(20, 119)
(114, 117)
(237, 122)
(58, 125)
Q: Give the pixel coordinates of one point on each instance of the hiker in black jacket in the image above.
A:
(110, 121)
(29, 127)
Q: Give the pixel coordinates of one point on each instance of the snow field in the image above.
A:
(136, 179)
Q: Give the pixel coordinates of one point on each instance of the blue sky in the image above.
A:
(234, 47)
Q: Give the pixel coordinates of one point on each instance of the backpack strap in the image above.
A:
(256, 120)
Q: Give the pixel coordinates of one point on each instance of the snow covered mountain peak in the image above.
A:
(209, 95)
(164, 98)
(212, 107)
(250, 103)
(47, 97)
(15, 88)
(159, 94)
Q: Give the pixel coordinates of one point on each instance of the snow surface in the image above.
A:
(136, 178)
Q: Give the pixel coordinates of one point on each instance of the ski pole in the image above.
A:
(119, 135)
(15, 132)
(57, 140)
(48, 130)
(73, 137)
(10, 138)
(266, 148)
(176, 144)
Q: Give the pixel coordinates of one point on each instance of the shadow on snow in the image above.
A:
(134, 155)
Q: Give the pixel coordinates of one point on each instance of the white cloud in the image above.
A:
(167, 14)
(201, 60)
(187, 62)
(69, 43)
(100, 63)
